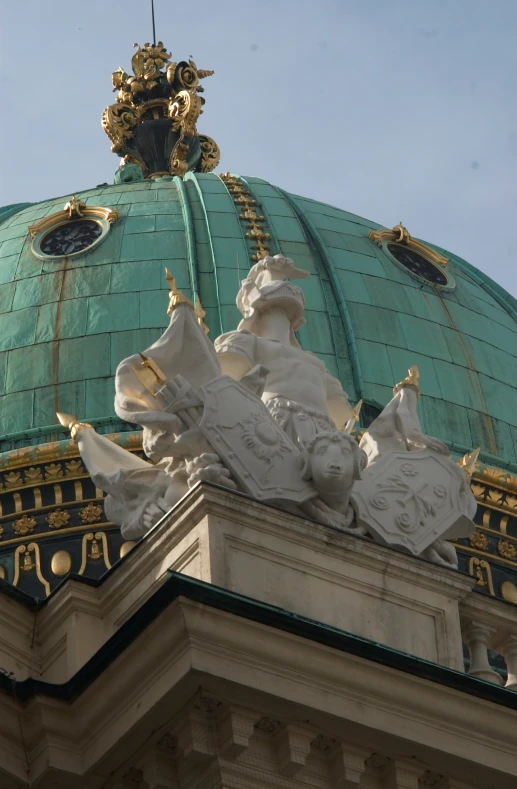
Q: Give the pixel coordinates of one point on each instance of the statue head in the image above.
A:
(265, 288)
(333, 462)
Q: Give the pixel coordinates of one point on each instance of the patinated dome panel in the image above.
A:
(66, 323)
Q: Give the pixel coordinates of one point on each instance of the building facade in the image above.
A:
(236, 644)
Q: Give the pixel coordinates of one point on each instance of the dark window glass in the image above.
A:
(417, 264)
(369, 412)
(71, 237)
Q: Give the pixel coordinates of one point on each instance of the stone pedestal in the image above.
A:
(330, 576)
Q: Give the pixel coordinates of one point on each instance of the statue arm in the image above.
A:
(236, 352)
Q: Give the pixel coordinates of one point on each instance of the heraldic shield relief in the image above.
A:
(410, 499)
(260, 455)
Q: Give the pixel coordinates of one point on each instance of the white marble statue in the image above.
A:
(299, 391)
(398, 426)
(412, 495)
(258, 414)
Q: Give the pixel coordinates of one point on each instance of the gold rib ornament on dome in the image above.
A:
(410, 380)
(401, 235)
(254, 221)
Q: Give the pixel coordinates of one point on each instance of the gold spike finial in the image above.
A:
(354, 418)
(200, 313)
(410, 380)
(176, 296)
(469, 462)
(69, 421)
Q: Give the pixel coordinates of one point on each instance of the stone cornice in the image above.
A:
(192, 643)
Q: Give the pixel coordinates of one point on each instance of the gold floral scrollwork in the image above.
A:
(74, 468)
(94, 548)
(479, 540)
(24, 525)
(13, 479)
(58, 519)
(72, 209)
(478, 490)
(511, 502)
(75, 208)
(53, 471)
(210, 153)
(32, 475)
(507, 550)
(494, 497)
(184, 110)
(150, 94)
(91, 513)
(26, 559)
(400, 235)
(118, 121)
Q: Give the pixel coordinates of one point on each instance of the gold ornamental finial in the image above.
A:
(75, 207)
(159, 90)
(69, 421)
(354, 418)
(200, 314)
(176, 296)
(410, 380)
(469, 462)
(403, 233)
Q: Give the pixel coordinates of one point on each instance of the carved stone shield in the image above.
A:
(410, 499)
(259, 454)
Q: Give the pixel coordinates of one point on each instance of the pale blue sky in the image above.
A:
(391, 109)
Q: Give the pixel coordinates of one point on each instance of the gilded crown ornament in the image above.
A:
(153, 123)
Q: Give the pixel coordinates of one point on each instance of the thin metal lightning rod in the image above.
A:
(154, 26)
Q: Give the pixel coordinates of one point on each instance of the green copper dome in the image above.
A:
(65, 323)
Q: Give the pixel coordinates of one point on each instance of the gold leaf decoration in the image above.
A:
(12, 479)
(256, 233)
(33, 475)
(494, 497)
(24, 525)
(478, 490)
(479, 540)
(91, 513)
(54, 471)
(74, 468)
(58, 518)
(511, 502)
(1, 531)
(507, 550)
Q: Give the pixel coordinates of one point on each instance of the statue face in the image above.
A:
(332, 466)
